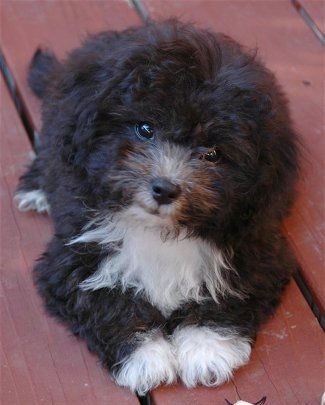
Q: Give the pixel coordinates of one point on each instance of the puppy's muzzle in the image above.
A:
(164, 191)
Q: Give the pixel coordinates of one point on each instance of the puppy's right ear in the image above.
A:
(44, 62)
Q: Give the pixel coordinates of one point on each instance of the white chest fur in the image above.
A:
(168, 272)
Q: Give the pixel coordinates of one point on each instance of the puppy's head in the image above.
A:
(181, 127)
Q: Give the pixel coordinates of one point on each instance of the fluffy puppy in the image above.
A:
(167, 162)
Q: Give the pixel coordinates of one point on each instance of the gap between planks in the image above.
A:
(17, 99)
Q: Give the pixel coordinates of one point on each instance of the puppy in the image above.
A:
(167, 162)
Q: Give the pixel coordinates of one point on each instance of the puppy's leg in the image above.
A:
(212, 340)
(29, 195)
(123, 329)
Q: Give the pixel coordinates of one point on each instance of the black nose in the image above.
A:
(164, 191)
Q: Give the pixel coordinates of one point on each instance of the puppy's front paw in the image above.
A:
(208, 356)
(151, 364)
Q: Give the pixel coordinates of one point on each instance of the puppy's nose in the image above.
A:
(164, 191)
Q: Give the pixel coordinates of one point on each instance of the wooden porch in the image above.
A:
(41, 363)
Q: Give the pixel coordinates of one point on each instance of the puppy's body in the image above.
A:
(168, 162)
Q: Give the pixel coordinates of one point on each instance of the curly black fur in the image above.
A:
(201, 92)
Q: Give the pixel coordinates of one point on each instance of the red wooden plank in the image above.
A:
(58, 25)
(41, 362)
(291, 50)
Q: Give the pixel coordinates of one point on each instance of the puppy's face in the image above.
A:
(175, 138)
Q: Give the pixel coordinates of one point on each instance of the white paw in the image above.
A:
(151, 364)
(34, 200)
(208, 356)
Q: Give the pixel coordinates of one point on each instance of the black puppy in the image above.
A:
(167, 162)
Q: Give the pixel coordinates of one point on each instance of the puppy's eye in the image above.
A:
(212, 156)
(144, 130)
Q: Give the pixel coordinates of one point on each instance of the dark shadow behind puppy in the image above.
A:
(167, 162)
